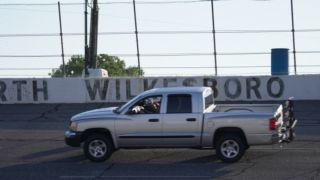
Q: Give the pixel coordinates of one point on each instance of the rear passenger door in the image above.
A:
(180, 126)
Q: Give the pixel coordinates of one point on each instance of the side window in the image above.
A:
(148, 105)
(179, 103)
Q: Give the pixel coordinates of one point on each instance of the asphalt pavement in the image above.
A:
(32, 147)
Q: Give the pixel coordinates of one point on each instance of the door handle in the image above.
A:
(191, 119)
(153, 120)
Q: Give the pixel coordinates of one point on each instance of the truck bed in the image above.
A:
(262, 108)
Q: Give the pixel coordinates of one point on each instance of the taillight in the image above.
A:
(272, 123)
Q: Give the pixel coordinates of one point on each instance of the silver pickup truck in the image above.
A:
(180, 117)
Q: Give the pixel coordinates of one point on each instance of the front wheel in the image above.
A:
(98, 148)
(230, 148)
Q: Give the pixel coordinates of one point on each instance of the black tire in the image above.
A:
(98, 147)
(230, 148)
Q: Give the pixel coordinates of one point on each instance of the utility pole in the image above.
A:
(214, 39)
(86, 48)
(93, 35)
(137, 38)
(61, 39)
(293, 39)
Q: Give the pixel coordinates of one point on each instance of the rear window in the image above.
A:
(179, 103)
(208, 101)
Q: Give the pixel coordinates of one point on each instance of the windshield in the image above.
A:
(121, 108)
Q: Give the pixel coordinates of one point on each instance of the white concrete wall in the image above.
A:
(79, 90)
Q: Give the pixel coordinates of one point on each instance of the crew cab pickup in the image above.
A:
(180, 117)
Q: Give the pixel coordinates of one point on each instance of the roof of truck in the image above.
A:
(178, 90)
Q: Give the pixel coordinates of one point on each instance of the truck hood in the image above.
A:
(94, 114)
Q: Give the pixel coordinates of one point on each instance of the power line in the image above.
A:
(24, 75)
(208, 73)
(225, 67)
(104, 3)
(157, 74)
(159, 32)
(26, 69)
(203, 67)
(40, 35)
(33, 56)
(211, 54)
(45, 4)
(159, 54)
(164, 2)
(169, 67)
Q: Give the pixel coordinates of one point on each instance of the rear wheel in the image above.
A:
(98, 148)
(230, 148)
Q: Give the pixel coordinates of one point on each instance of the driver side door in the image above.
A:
(142, 129)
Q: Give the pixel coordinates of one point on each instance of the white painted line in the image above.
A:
(284, 149)
(77, 177)
(162, 177)
(135, 177)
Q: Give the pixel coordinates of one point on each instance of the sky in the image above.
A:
(187, 15)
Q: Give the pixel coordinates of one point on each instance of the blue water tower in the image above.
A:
(279, 61)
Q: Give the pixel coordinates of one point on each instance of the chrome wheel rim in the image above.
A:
(97, 148)
(229, 148)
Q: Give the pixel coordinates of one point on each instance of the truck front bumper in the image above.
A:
(72, 138)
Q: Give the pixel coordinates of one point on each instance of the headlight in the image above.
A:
(73, 126)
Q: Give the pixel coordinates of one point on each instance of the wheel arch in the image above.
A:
(229, 130)
(104, 131)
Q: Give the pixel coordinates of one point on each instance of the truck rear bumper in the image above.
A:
(72, 138)
(263, 139)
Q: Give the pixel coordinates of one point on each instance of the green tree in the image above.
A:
(114, 66)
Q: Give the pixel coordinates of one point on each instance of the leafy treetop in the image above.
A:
(114, 66)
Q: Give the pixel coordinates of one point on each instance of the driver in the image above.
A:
(147, 106)
(151, 106)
